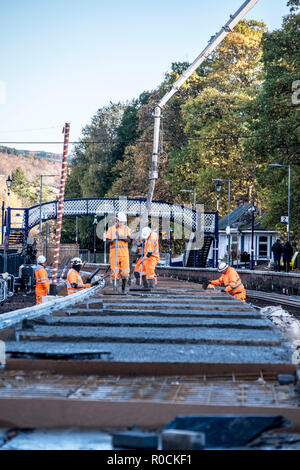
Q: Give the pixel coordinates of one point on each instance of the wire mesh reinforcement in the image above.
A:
(201, 391)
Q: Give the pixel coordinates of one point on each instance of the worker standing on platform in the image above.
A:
(231, 280)
(151, 256)
(42, 283)
(119, 236)
(74, 280)
(277, 252)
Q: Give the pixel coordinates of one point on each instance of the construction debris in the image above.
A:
(228, 431)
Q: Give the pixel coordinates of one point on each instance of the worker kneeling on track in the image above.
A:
(42, 283)
(231, 280)
(74, 280)
(151, 256)
(119, 236)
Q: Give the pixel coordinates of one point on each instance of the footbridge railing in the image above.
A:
(181, 215)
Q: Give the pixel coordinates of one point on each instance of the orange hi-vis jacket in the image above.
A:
(74, 277)
(42, 283)
(122, 245)
(232, 282)
(151, 246)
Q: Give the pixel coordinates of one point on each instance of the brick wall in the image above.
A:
(66, 251)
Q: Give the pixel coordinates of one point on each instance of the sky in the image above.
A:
(61, 60)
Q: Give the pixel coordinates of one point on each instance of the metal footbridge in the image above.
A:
(17, 222)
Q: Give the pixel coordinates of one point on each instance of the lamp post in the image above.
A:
(41, 197)
(218, 190)
(170, 247)
(228, 215)
(2, 218)
(76, 230)
(277, 165)
(7, 228)
(191, 191)
(252, 227)
(95, 222)
(195, 208)
(8, 184)
(105, 239)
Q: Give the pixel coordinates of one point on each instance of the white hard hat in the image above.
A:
(222, 267)
(146, 233)
(76, 261)
(41, 259)
(121, 217)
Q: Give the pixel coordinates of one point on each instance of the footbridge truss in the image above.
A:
(26, 218)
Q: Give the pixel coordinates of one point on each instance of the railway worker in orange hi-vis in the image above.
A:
(42, 283)
(74, 280)
(119, 236)
(138, 264)
(231, 280)
(151, 256)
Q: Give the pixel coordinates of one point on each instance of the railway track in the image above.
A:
(289, 301)
(141, 359)
(174, 324)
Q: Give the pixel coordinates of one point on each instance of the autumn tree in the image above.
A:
(274, 123)
(216, 120)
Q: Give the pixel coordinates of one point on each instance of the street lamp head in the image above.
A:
(8, 182)
(276, 165)
(186, 191)
(218, 186)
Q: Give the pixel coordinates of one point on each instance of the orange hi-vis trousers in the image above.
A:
(42, 283)
(149, 266)
(138, 264)
(121, 268)
(119, 265)
(138, 268)
(149, 263)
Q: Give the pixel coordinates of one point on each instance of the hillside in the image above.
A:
(30, 153)
(32, 166)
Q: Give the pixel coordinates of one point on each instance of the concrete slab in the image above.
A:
(172, 313)
(177, 305)
(202, 335)
(184, 301)
(154, 321)
(155, 353)
(59, 439)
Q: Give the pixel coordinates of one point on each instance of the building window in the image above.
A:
(263, 247)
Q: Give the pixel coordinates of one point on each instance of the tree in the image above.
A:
(216, 119)
(19, 183)
(207, 155)
(274, 122)
(95, 167)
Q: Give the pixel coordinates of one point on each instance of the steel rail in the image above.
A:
(276, 298)
(16, 316)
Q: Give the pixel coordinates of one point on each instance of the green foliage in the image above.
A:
(29, 190)
(19, 183)
(95, 165)
(230, 119)
(274, 123)
(216, 119)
